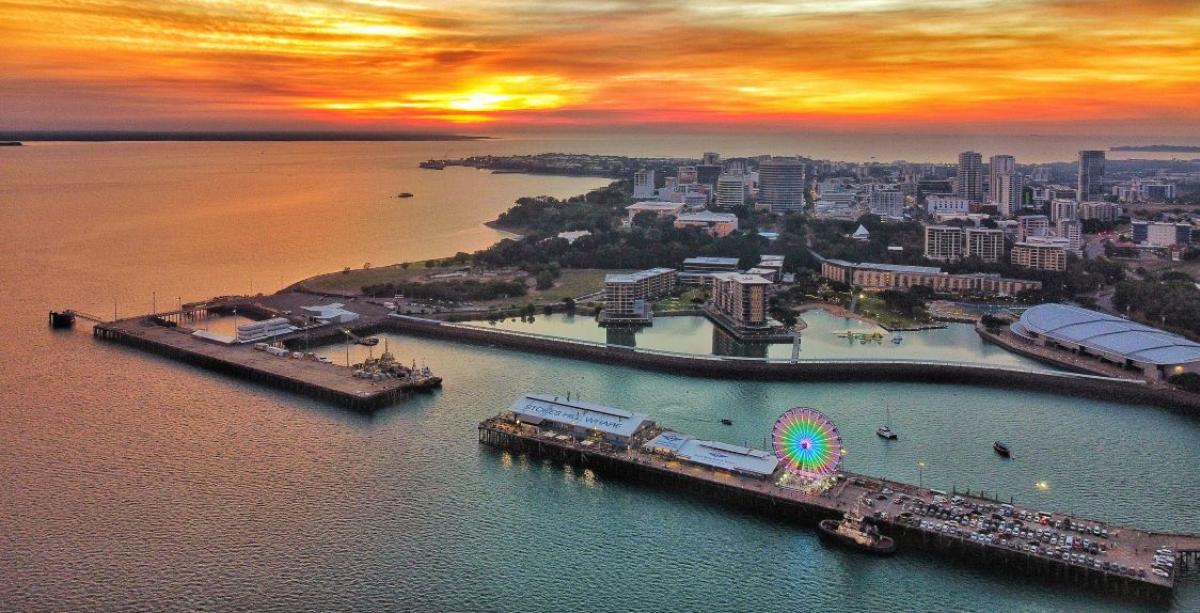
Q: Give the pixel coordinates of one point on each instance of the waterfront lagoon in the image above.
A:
(823, 339)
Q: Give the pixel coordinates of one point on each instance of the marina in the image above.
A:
(996, 534)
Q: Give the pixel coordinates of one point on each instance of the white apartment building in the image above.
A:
(941, 205)
(984, 243)
(943, 243)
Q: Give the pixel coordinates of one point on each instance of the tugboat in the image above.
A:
(1001, 449)
(853, 532)
(886, 431)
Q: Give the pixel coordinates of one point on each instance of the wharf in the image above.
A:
(328, 382)
(1125, 546)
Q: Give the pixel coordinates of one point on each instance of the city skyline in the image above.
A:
(976, 66)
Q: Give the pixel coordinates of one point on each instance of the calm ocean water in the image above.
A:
(133, 483)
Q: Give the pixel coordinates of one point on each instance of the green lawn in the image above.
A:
(571, 283)
(873, 307)
(682, 302)
(354, 280)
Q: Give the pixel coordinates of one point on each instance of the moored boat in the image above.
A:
(885, 432)
(855, 533)
(1002, 449)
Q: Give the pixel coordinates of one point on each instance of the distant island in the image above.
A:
(98, 136)
(1158, 148)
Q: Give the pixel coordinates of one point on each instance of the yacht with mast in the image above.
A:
(885, 432)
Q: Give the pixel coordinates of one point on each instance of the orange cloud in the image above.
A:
(809, 64)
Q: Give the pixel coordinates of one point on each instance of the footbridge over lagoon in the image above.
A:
(1131, 390)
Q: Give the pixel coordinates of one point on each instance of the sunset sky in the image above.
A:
(481, 66)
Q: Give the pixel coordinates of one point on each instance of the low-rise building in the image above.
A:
(938, 205)
(1032, 226)
(1157, 235)
(715, 224)
(573, 236)
(659, 208)
(1040, 255)
(713, 454)
(1141, 190)
(332, 313)
(698, 270)
(578, 419)
(1099, 211)
(891, 276)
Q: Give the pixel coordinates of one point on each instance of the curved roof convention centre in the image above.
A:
(1103, 333)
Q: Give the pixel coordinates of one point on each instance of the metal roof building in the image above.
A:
(1157, 353)
(583, 418)
(714, 454)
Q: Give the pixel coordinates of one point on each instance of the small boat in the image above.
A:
(853, 532)
(369, 342)
(433, 165)
(885, 432)
(727, 422)
(404, 195)
(897, 339)
(1002, 449)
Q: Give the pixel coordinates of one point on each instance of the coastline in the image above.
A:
(515, 231)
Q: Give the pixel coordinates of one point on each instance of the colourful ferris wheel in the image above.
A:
(807, 443)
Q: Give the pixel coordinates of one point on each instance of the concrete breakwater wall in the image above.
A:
(924, 371)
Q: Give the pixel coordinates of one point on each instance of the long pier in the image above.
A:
(1125, 547)
(331, 383)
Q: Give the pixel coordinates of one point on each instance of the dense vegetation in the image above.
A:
(1188, 381)
(598, 211)
(831, 239)
(1172, 302)
(647, 243)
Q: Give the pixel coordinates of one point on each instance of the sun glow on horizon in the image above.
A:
(858, 64)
